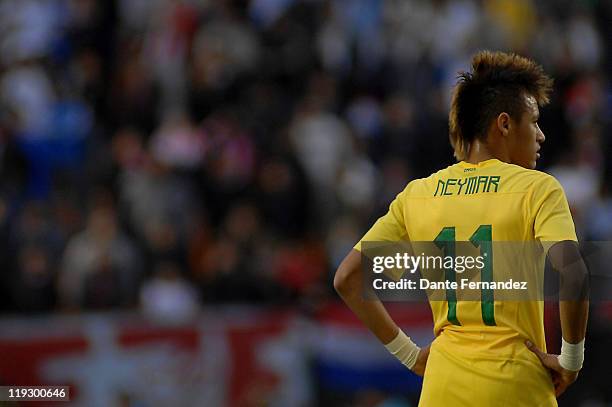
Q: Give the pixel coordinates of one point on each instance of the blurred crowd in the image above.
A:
(174, 153)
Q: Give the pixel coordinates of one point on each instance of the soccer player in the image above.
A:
(490, 354)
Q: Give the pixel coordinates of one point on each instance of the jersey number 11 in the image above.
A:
(480, 239)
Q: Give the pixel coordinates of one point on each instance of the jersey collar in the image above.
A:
(482, 164)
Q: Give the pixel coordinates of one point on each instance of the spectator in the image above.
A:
(234, 136)
(101, 267)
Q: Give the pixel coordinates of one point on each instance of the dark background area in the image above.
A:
(170, 156)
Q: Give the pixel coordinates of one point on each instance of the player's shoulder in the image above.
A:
(529, 179)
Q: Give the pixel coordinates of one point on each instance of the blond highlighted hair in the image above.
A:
(495, 85)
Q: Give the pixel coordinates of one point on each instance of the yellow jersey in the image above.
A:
(490, 201)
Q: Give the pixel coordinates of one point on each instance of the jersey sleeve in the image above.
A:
(389, 228)
(553, 221)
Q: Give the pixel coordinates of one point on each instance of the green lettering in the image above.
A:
(438, 187)
(451, 181)
(483, 179)
(461, 184)
(471, 185)
(493, 180)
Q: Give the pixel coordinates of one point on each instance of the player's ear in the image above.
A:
(503, 123)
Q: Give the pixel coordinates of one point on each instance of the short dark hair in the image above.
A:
(495, 85)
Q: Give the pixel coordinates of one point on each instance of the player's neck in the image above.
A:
(480, 151)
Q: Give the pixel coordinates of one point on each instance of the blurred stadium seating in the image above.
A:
(188, 174)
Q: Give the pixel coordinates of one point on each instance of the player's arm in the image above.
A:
(553, 223)
(566, 259)
(348, 282)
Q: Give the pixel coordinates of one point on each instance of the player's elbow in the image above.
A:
(347, 274)
(341, 281)
(565, 258)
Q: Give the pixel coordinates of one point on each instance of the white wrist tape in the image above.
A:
(572, 355)
(404, 349)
